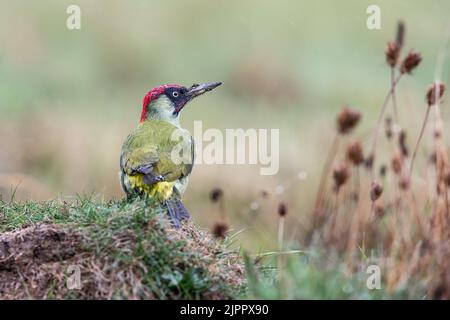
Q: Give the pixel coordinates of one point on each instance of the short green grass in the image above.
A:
(128, 250)
(309, 276)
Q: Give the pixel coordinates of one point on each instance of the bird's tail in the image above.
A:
(176, 211)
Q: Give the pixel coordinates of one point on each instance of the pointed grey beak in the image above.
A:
(198, 89)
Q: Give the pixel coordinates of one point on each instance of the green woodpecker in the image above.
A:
(147, 163)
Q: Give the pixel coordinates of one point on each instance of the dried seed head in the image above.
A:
(435, 93)
(216, 194)
(400, 37)
(388, 127)
(340, 176)
(282, 209)
(383, 170)
(347, 119)
(433, 158)
(368, 162)
(392, 53)
(437, 133)
(375, 191)
(402, 143)
(410, 62)
(397, 164)
(404, 182)
(355, 153)
(220, 229)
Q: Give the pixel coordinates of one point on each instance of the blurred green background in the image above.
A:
(68, 98)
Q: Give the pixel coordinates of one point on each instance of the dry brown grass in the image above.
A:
(390, 214)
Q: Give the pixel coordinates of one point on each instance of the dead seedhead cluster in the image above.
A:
(374, 204)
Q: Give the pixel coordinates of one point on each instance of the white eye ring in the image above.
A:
(175, 94)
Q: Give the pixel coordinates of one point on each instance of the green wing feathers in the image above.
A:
(148, 150)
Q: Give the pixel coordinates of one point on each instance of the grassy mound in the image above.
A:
(120, 251)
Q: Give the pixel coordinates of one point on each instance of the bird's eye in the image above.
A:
(175, 94)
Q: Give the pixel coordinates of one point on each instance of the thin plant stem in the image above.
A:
(357, 184)
(282, 283)
(334, 215)
(323, 178)
(222, 209)
(394, 98)
(413, 157)
(380, 117)
(281, 233)
(371, 212)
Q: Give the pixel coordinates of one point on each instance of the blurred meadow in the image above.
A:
(68, 98)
